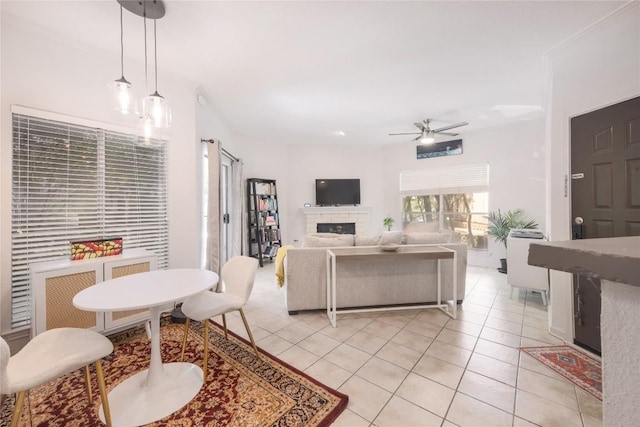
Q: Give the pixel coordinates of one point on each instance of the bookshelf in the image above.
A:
(263, 219)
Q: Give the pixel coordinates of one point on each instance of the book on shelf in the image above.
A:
(270, 220)
(265, 188)
(271, 250)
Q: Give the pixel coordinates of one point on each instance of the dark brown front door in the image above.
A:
(605, 195)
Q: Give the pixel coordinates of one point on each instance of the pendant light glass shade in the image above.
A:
(156, 107)
(123, 100)
(148, 134)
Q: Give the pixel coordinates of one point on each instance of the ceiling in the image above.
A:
(301, 72)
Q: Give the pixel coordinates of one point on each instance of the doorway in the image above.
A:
(605, 196)
(229, 206)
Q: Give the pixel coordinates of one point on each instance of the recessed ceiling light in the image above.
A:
(339, 132)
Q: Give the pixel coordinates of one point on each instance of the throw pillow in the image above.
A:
(422, 227)
(426, 238)
(324, 241)
(367, 240)
(391, 238)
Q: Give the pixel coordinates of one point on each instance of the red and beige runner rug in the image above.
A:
(241, 390)
(576, 366)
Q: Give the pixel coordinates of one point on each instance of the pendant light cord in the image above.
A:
(144, 18)
(155, 52)
(121, 45)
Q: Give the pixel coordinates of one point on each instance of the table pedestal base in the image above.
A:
(133, 403)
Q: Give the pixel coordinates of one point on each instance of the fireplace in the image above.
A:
(333, 215)
(336, 227)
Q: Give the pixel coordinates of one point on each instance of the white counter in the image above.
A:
(617, 262)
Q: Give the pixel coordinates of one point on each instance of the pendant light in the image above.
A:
(155, 105)
(122, 97)
(156, 113)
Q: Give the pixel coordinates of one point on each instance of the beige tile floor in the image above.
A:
(421, 368)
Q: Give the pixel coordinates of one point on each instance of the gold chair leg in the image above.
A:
(224, 323)
(103, 393)
(205, 361)
(246, 325)
(184, 338)
(17, 408)
(87, 382)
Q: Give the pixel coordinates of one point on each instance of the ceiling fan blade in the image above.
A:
(412, 133)
(419, 126)
(450, 127)
(446, 133)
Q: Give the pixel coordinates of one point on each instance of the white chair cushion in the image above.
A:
(54, 353)
(209, 304)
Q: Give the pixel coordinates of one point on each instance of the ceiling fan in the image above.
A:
(427, 135)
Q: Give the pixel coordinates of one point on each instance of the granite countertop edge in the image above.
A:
(614, 259)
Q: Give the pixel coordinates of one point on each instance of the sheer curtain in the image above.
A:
(213, 209)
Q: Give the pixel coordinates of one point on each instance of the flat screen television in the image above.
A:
(332, 192)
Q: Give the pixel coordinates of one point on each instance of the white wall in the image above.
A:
(599, 67)
(306, 163)
(42, 71)
(516, 158)
(515, 154)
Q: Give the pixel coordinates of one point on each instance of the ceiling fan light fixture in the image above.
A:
(427, 137)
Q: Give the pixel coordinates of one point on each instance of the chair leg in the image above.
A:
(103, 393)
(184, 338)
(246, 325)
(17, 408)
(87, 382)
(205, 361)
(224, 323)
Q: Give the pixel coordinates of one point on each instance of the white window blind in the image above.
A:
(76, 182)
(448, 180)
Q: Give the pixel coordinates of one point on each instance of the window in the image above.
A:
(78, 182)
(456, 197)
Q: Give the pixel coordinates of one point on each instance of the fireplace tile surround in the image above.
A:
(337, 215)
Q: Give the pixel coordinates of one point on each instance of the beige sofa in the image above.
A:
(364, 283)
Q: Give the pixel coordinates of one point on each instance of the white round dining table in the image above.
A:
(161, 390)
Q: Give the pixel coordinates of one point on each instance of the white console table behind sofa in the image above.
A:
(55, 283)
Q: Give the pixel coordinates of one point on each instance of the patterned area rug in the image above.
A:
(576, 366)
(241, 390)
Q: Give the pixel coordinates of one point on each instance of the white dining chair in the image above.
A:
(237, 276)
(50, 355)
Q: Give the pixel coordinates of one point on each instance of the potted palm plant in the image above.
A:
(500, 224)
(388, 222)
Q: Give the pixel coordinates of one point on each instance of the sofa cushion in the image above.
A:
(327, 240)
(426, 238)
(391, 238)
(422, 227)
(367, 240)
